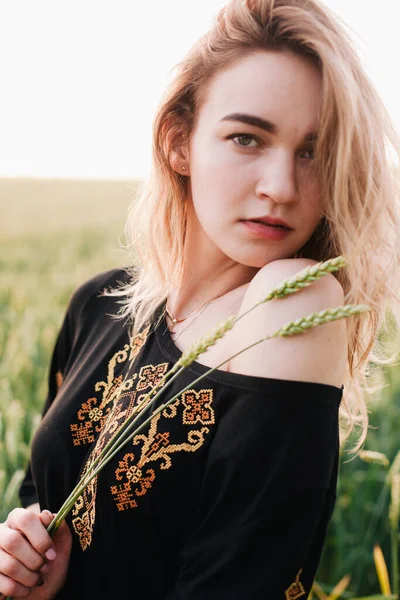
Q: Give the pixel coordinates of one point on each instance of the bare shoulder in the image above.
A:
(278, 270)
(317, 355)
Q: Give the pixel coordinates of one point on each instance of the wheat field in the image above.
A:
(55, 234)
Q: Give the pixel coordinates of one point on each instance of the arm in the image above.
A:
(318, 355)
(270, 482)
(24, 541)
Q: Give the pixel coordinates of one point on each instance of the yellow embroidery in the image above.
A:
(100, 417)
(197, 407)
(296, 590)
(150, 376)
(135, 477)
(133, 474)
(84, 509)
(109, 421)
(157, 446)
(94, 412)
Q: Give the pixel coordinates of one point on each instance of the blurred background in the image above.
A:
(80, 85)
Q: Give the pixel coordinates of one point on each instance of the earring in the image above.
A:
(183, 168)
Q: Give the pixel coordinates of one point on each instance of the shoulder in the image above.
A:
(317, 355)
(87, 294)
(279, 270)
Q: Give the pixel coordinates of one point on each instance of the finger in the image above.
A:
(15, 570)
(30, 525)
(46, 517)
(8, 587)
(15, 544)
(63, 539)
(43, 570)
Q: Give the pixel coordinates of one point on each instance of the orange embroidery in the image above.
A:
(296, 590)
(92, 420)
(157, 446)
(94, 412)
(102, 416)
(84, 509)
(150, 376)
(133, 475)
(197, 407)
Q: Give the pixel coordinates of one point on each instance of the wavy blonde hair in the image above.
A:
(360, 184)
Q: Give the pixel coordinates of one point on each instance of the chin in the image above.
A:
(254, 262)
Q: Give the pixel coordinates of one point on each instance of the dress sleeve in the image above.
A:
(58, 364)
(267, 496)
(78, 317)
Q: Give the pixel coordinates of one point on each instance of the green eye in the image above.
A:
(243, 136)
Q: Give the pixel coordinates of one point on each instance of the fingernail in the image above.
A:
(50, 554)
(40, 582)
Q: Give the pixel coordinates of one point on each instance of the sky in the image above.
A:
(81, 79)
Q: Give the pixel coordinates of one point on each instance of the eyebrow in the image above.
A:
(263, 124)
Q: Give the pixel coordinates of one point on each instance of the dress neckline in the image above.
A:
(266, 384)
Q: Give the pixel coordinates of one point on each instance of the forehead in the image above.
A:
(280, 86)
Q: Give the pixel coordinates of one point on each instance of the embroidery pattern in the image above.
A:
(102, 415)
(104, 419)
(84, 509)
(135, 478)
(157, 447)
(94, 412)
(198, 407)
(296, 590)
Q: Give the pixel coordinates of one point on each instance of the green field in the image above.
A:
(53, 236)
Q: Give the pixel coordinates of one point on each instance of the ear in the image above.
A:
(177, 147)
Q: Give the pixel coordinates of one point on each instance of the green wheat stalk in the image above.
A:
(302, 279)
(299, 326)
(294, 284)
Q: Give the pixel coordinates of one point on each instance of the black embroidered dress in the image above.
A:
(225, 495)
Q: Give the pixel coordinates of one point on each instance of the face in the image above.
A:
(240, 171)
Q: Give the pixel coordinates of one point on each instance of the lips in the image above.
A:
(263, 230)
(269, 224)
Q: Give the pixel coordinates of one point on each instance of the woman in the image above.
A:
(228, 492)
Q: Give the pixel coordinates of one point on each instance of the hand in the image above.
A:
(32, 564)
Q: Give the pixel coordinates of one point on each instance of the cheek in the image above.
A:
(311, 198)
(215, 192)
(215, 167)
(309, 184)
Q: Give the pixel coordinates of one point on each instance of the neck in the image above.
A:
(207, 273)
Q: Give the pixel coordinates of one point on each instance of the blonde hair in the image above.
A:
(360, 185)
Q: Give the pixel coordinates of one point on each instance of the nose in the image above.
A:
(277, 178)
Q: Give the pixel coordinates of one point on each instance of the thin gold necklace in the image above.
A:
(175, 337)
(175, 320)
